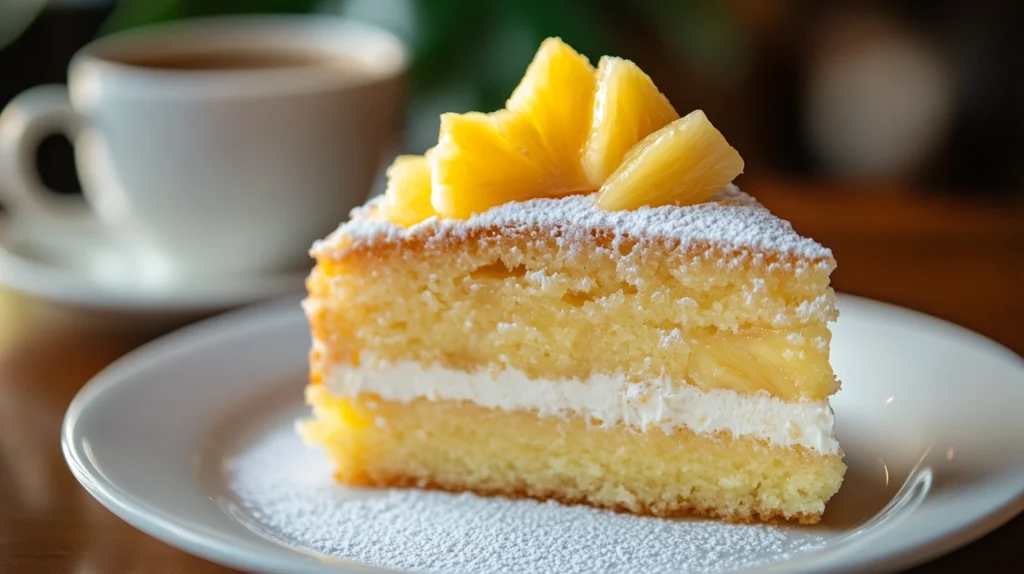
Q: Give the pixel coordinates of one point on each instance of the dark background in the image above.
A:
(924, 94)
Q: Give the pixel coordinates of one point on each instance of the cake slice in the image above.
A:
(659, 361)
(637, 345)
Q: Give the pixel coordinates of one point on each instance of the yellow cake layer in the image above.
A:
(559, 308)
(461, 446)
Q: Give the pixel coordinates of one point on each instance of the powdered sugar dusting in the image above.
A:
(288, 490)
(731, 219)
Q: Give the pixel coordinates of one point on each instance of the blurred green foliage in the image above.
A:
(133, 13)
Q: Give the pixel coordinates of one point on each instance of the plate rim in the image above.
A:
(231, 551)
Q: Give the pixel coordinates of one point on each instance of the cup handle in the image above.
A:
(31, 116)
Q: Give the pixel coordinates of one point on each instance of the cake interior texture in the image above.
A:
(461, 446)
(673, 324)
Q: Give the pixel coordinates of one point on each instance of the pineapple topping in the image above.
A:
(683, 163)
(627, 107)
(566, 129)
(407, 197)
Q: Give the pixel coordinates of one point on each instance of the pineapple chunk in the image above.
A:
(627, 108)
(530, 149)
(764, 361)
(407, 197)
(557, 94)
(485, 160)
(683, 163)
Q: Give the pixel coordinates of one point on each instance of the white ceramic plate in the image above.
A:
(172, 438)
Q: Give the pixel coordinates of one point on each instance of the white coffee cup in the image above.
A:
(235, 167)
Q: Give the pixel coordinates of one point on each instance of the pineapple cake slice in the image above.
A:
(577, 267)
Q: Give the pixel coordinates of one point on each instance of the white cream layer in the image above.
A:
(609, 399)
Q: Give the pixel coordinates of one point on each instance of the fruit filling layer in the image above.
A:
(574, 307)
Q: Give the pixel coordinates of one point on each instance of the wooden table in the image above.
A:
(962, 261)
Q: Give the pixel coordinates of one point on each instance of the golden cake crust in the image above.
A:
(680, 510)
(731, 224)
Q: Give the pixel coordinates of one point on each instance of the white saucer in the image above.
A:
(189, 440)
(79, 267)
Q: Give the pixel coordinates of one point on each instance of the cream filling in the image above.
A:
(603, 399)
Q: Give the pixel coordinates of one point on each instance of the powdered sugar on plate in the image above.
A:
(287, 489)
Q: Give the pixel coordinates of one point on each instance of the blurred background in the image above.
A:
(912, 93)
(891, 131)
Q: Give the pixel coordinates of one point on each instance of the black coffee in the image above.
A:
(238, 59)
